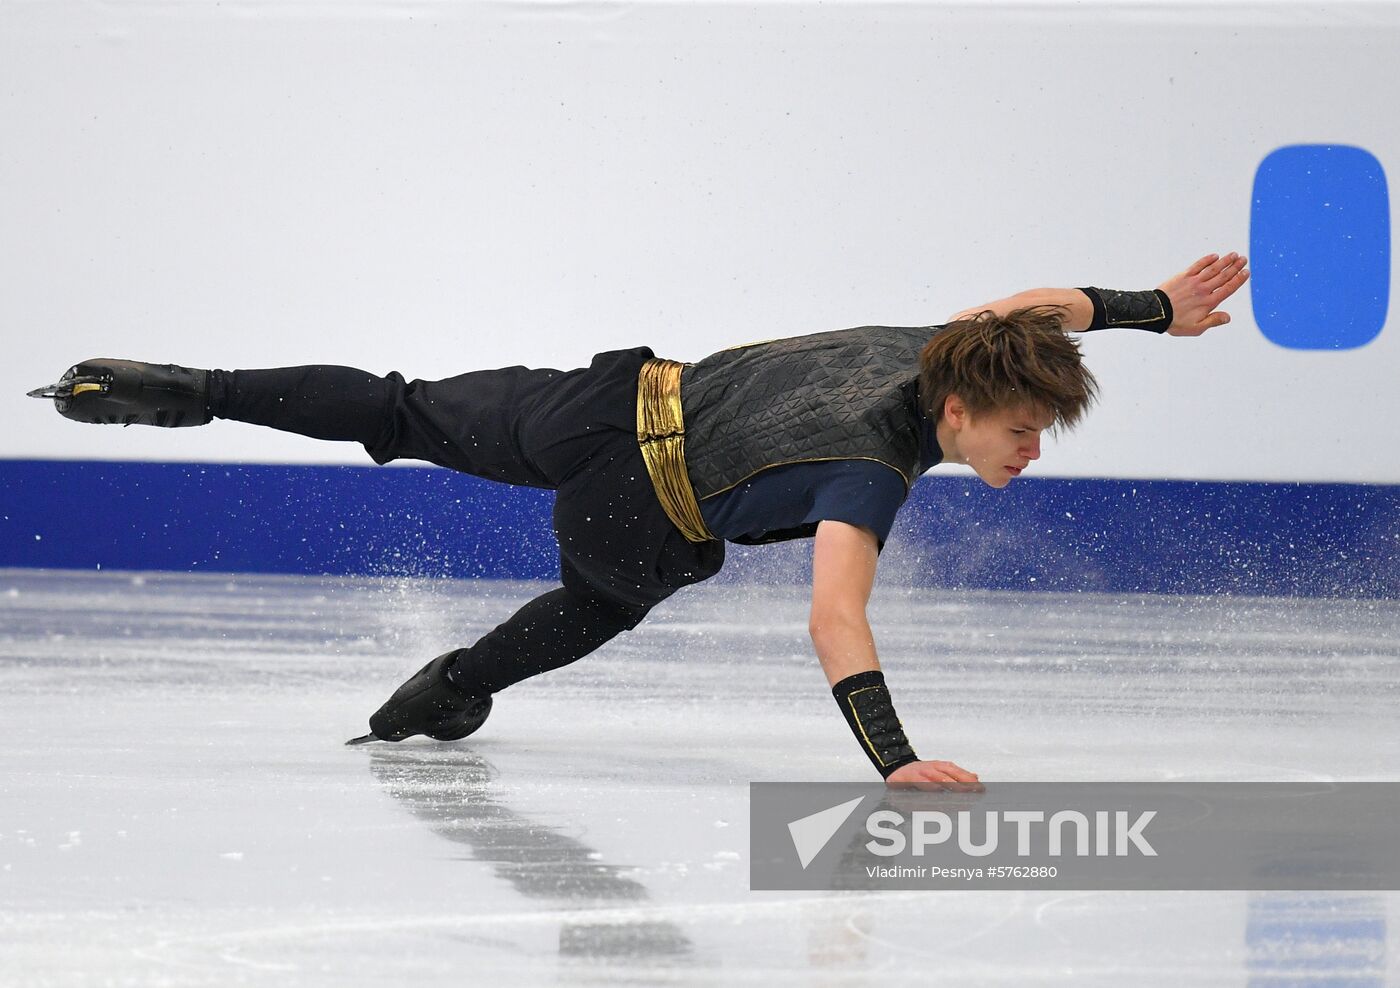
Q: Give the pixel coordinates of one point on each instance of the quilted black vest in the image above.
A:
(848, 394)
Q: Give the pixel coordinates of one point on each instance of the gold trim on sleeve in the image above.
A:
(661, 436)
(869, 744)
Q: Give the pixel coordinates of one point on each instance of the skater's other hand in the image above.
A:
(1200, 289)
(934, 776)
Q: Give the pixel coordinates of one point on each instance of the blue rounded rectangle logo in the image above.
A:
(1319, 247)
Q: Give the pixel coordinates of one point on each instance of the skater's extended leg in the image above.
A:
(479, 422)
(471, 422)
(321, 401)
(324, 402)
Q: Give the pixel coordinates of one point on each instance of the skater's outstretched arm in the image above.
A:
(843, 574)
(1192, 298)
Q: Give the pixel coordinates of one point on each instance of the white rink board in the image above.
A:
(448, 186)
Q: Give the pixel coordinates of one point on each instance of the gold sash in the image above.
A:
(661, 435)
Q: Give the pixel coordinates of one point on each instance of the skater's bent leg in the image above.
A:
(450, 697)
(548, 632)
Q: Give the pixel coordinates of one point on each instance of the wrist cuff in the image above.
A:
(865, 703)
(1151, 311)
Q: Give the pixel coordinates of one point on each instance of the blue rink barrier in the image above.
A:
(1121, 536)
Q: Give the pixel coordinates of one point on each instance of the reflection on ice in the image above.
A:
(450, 790)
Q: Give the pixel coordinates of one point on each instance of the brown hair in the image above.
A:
(994, 362)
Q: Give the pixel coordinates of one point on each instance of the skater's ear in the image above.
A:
(955, 411)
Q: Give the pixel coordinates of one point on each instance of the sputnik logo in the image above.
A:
(811, 833)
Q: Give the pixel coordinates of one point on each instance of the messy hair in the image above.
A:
(1023, 359)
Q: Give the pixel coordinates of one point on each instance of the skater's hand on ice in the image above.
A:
(1198, 291)
(932, 776)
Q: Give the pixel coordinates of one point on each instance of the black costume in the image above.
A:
(839, 399)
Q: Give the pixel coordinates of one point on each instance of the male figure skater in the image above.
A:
(656, 464)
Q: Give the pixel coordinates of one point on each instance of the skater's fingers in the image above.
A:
(1201, 265)
(957, 779)
(934, 776)
(1230, 285)
(1227, 273)
(1213, 269)
(956, 772)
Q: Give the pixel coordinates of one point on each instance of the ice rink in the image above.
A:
(177, 806)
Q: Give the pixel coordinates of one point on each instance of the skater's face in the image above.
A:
(999, 444)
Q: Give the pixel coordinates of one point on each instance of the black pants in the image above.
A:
(573, 432)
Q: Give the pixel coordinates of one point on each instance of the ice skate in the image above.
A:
(429, 703)
(127, 392)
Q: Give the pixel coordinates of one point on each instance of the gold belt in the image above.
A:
(661, 435)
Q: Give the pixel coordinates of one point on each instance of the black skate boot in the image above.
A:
(125, 392)
(431, 704)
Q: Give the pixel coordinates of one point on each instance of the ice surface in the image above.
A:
(177, 807)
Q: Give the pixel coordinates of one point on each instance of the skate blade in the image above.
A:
(67, 389)
(365, 739)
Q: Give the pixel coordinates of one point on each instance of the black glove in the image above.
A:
(430, 704)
